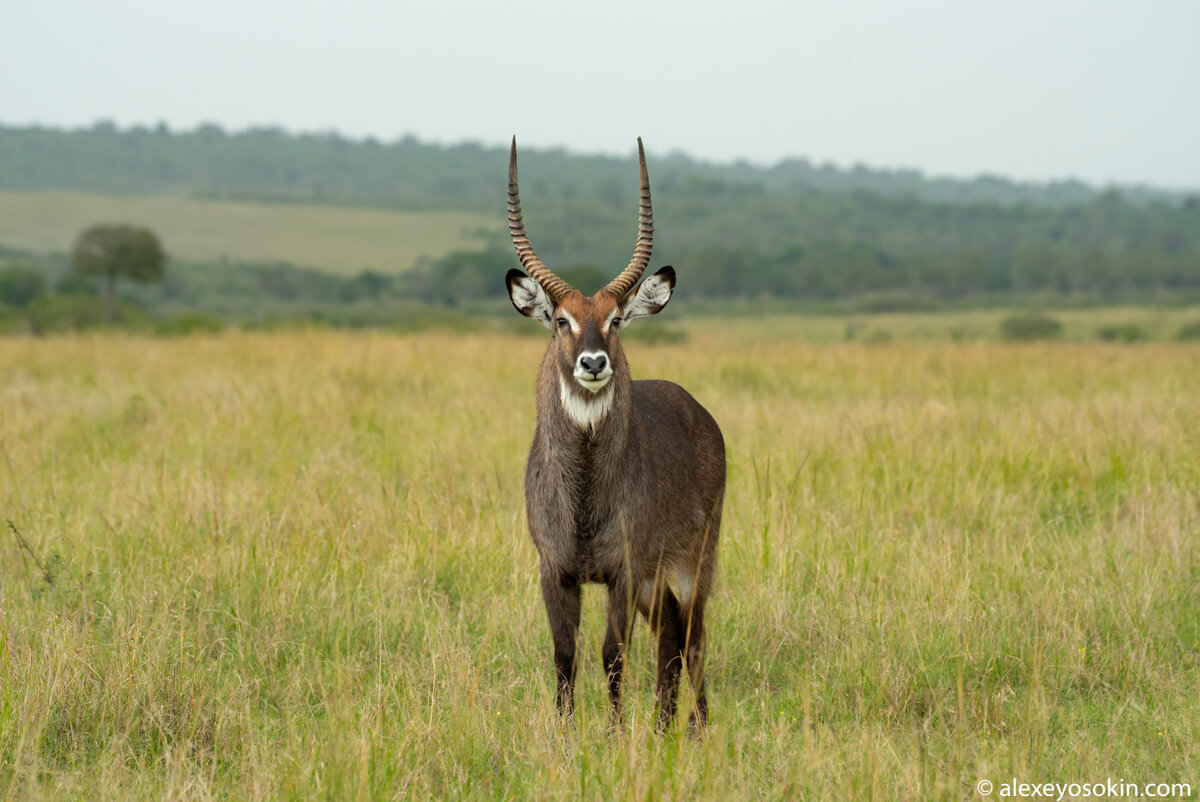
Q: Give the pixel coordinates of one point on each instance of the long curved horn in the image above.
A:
(645, 241)
(554, 286)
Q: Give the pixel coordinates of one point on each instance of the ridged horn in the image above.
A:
(554, 286)
(645, 241)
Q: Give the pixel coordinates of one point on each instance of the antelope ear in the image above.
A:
(529, 298)
(649, 297)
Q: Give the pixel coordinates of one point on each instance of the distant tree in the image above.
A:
(369, 284)
(111, 252)
(210, 132)
(585, 278)
(459, 276)
(20, 283)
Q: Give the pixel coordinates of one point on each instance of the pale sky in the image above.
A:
(1028, 89)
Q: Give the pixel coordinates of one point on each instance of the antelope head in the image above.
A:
(584, 344)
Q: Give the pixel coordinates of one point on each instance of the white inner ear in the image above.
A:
(531, 300)
(649, 299)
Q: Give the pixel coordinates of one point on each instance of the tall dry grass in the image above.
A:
(295, 565)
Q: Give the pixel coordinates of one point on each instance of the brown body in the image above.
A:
(625, 480)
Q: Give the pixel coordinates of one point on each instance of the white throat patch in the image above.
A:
(584, 412)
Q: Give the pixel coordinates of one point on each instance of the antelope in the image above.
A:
(626, 479)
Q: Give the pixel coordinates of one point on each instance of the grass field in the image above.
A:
(294, 565)
(967, 325)
(338, 239)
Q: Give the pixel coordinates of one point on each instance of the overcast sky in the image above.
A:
(1030, 89)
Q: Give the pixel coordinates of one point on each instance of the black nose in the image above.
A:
(593, 364)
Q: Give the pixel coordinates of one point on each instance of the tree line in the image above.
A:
(271, 164)
(793, 230)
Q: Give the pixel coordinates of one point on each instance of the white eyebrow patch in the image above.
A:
(575, 329)
(608, 320)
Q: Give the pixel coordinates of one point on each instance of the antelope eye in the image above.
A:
(616, 323)
(562, 322)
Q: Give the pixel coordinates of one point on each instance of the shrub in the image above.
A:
(20, 283)
(1121, 333)
(71, 284)
(53, 313)
(13, 320)
(1189, 332)
(1030, 326)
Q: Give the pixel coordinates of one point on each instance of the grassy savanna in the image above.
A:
(337, 239)
(745, 323)
(295, 565)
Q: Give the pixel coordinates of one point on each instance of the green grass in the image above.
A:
(338, 239)
(295, 565)
(751, 325)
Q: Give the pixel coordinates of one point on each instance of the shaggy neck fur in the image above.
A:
(585, 409)
(582, 442)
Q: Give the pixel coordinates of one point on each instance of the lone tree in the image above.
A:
(118, 251)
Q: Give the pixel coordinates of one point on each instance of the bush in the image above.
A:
(54, 313)
(368, 285)
(1121, 333)
(51, 313)
(20, 283)
(460, 276)
(1030, 326)
(1189, 332)
(71, 284)
(13, 320)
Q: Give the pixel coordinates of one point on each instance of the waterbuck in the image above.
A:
(625, 480)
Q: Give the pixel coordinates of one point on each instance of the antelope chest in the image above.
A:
(590, 534)
(572, 520)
